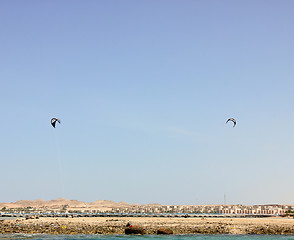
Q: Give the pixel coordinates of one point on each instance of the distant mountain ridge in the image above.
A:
(60, 202)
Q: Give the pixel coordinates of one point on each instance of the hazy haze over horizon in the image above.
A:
(143, 90)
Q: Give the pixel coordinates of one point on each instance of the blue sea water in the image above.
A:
(147, 237)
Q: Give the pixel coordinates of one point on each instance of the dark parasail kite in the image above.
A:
(53, 121)
(233, 120)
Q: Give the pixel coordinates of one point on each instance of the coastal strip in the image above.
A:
(107, 225)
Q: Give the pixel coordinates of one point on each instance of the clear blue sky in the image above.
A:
(143, 90)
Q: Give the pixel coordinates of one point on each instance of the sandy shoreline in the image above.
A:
(107, 225)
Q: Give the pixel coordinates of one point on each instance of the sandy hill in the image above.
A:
(107, 204)
(61, 202)
(28, 203)
(153, 205)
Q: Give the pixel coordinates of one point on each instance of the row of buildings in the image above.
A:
(272, 209)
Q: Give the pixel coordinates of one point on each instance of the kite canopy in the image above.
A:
(233, 120)
(53, 121)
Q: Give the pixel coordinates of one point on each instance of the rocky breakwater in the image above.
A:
(104, 225)
(60, 226)
(134, 230)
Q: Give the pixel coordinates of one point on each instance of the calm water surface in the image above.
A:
(148, 237)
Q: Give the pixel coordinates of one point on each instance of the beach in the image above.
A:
(150, 225)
